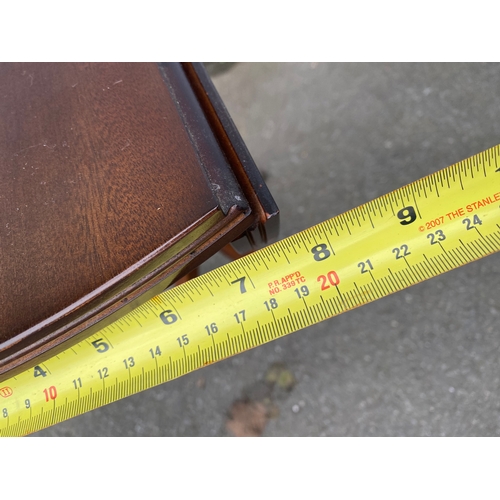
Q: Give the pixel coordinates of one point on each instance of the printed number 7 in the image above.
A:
(242, 284)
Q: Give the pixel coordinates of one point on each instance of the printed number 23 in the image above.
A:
(436, 237)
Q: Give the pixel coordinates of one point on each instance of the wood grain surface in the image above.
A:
(106, 189)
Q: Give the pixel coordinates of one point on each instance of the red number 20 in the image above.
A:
(332, 277)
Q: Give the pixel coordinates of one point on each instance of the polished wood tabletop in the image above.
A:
(115, 180)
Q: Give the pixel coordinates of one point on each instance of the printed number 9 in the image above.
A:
(407, 215)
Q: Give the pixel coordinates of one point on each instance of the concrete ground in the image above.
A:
(421, 362)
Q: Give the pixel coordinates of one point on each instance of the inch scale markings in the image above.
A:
(412, 234)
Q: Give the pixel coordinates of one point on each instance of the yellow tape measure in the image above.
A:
(417, 232)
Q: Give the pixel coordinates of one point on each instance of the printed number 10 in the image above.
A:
(50, 393)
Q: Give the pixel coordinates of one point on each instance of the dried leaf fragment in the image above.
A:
(247, 419)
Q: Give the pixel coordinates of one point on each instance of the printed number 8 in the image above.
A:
(320, 252)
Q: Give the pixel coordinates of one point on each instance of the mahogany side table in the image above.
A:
(115, 181)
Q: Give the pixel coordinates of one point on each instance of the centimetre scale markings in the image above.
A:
(419, 231)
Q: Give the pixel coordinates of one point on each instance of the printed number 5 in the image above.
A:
(100, 345)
